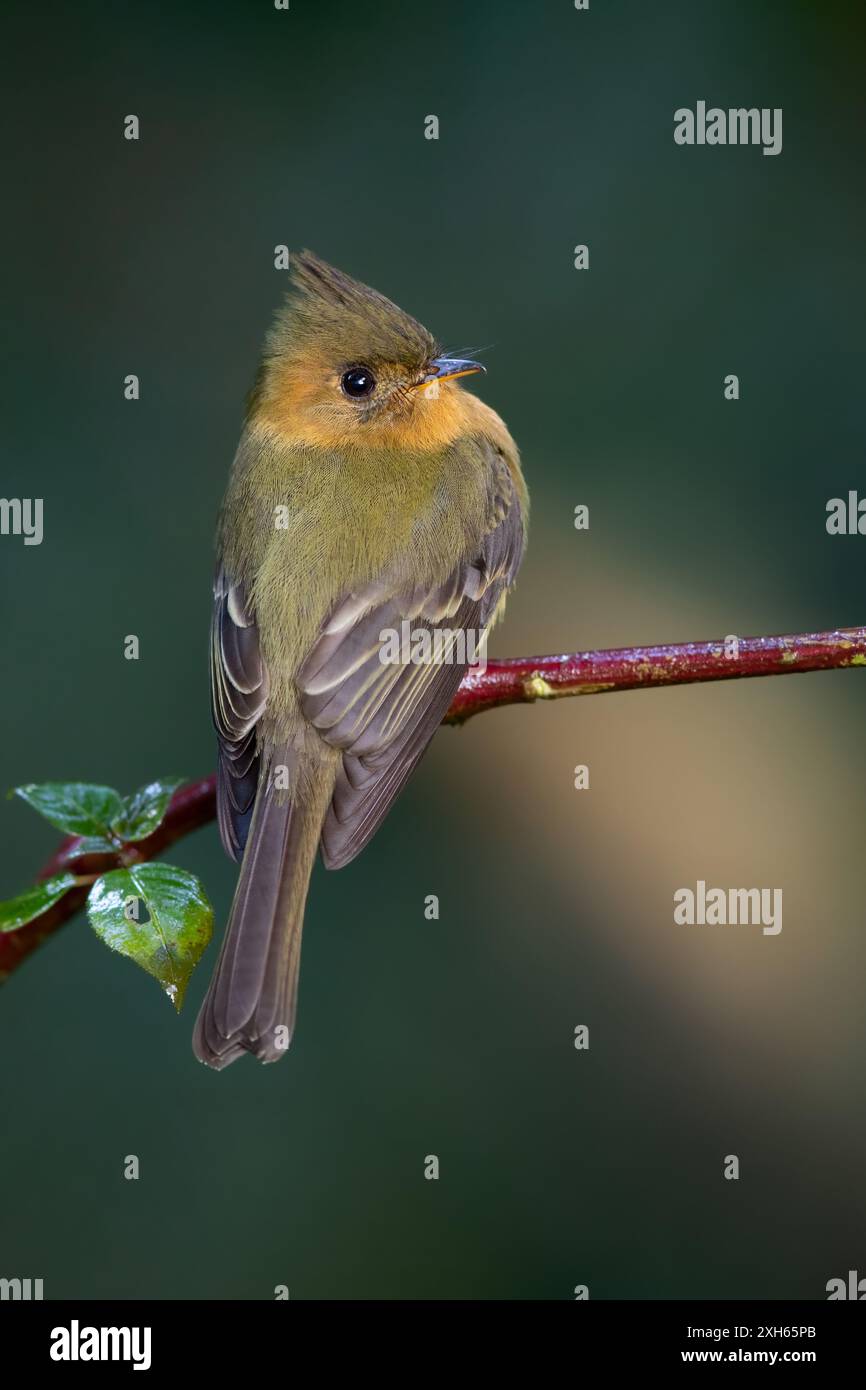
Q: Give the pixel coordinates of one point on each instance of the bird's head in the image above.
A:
(345, 367)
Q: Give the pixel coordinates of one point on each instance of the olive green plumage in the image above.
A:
(344, 516)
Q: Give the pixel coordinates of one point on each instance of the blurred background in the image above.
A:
(707, 517)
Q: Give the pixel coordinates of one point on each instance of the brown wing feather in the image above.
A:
(239, 690)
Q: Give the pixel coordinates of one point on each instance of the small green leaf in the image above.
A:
(142, 812)
(94, 844)
(79, 808)
(179, 922)
(18, 911)
(87, 846)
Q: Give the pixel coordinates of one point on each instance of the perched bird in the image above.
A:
(369, 490)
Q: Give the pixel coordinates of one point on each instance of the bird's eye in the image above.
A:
(358, 382)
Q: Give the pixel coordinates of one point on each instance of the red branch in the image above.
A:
(518, 680)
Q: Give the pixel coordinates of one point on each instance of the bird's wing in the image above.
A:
(239, 690)
(383, 716)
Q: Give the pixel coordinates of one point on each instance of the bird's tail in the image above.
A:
(250, 1004)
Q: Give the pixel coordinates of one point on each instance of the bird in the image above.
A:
(369, 490)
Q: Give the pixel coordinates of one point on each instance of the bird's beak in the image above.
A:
(447, 368)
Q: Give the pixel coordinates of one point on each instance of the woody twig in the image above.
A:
(516, 680)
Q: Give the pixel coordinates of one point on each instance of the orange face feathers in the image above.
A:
(344, 367)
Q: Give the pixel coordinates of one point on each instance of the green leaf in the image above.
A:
(86, 846)
(94, 844)
(16, 912)
(180, 921)
(143, 811)
(79, 808)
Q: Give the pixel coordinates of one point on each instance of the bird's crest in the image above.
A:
(330, 314)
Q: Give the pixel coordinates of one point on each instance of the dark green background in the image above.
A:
(707, 517)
